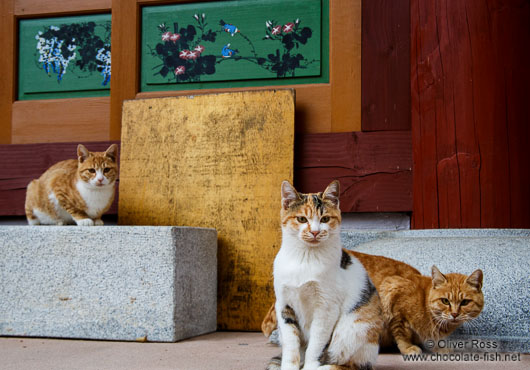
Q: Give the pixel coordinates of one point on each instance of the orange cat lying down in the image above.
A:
(415, 307)
(76, 191)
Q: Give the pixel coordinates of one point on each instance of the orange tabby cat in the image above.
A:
(416, 307)
(79, 191)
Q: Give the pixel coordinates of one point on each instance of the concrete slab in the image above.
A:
(502, 255)
(217, 351)
(113, 283)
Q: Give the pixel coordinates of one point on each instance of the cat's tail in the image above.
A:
(31, 192)
(275, 363)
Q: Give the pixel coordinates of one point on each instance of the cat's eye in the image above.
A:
(324, 219)
(446, 301)
(91, 170)
(301, 219)
(106, 169)
(465, 302)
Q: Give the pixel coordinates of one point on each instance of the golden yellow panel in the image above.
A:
(214, 161)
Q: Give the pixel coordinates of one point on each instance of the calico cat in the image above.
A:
(416, 307)
(328, 310)
(79, 191)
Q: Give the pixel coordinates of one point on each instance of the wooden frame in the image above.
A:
(52, 120)
(327, 107)
(331, 107)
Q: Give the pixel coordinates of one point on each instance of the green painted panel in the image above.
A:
(234, 43)
(64, 57)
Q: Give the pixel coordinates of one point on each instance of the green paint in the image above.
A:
(277, 42)
(64, 57)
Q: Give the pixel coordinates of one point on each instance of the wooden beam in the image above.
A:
(7, 61)
(385, 65)
(50, 8)
(375, 169)
(125, 59)
(345, 65)
(60, 120)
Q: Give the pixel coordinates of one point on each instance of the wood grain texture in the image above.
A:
(125, 59)
(470, 113)
(214, 161)
(7, 61)
(345, 66)
(51, 8)
(19, 164)
(374, 169)
(61, 120)
(385, 65)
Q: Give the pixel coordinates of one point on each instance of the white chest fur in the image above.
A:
(96, 198)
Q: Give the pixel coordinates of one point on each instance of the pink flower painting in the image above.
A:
(184, 54)
(180, 70)
(166, 36)
(288, 27)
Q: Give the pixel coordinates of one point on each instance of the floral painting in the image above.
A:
(60, 45)
(62, 56)
(225, 41)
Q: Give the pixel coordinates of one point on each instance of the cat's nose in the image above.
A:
(315, 233)
(454, 314)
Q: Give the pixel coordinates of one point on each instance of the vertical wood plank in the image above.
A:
(385, 65)
(458, 65)
(345, 65)
(469, 113)
(509, 23)
(425, 184)
(7, 61)
(489, 110)
(125, 59)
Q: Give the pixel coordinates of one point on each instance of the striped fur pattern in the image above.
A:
(328, 310)
(74, 191)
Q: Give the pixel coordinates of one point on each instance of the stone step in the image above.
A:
(502, 254)
(112, 283)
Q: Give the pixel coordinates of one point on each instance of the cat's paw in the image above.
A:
(99, 222)
(311, 366)
(33, 221)
(411, 350)
(84, 222)
(290, 367)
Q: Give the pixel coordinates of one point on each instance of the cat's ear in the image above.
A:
(289, 194)
(437, 277)
(112, 152)
(82, 153)
(332, 193)
(475, 279)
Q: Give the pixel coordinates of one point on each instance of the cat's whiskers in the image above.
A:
(471, 326)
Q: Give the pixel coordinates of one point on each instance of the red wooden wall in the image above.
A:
(444, 92)
(470, 72)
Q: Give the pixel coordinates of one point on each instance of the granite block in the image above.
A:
(111, 283)
(503, 256)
